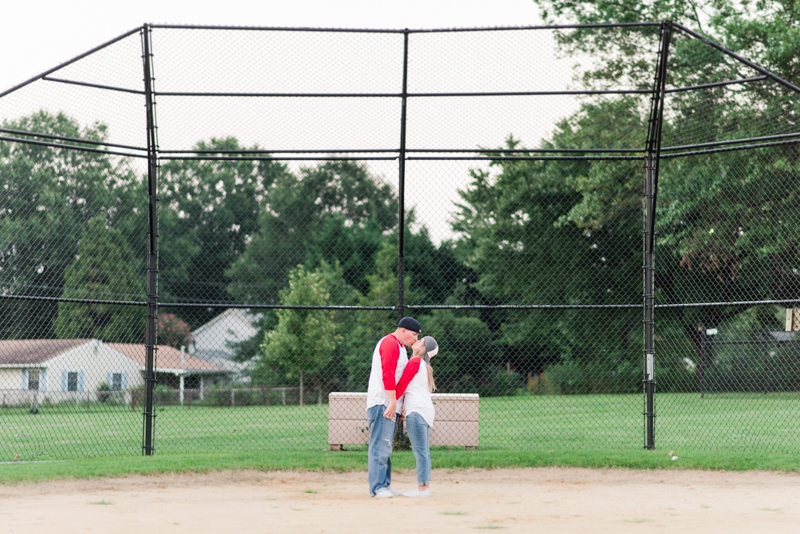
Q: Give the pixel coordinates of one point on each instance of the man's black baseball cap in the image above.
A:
(409, 323)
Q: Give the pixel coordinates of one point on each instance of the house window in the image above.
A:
(72, 381)
(116, 381)
(192, 382)
(33, 379)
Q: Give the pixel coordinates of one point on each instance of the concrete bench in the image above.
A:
(456, 422)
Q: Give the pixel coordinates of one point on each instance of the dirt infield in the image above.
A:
(515, 500)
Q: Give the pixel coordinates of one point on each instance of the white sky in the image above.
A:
(39, 35)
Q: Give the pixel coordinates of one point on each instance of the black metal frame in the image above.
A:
(651, 155)
(151, 334)
(651, 196)
(401, 188)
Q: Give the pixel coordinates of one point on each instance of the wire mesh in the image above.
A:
(283, 158)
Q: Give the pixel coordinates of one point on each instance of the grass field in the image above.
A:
(723, 430)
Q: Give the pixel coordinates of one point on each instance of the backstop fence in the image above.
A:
(204, 231)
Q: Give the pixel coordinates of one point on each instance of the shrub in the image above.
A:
(541, 385)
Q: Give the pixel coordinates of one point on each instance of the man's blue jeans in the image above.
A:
(381, 439)
(419, 434)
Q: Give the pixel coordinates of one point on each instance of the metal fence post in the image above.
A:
(651, 191)
(152, 246)
(401, 189)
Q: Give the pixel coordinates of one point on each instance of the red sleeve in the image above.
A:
(408, 374)
(390, 353)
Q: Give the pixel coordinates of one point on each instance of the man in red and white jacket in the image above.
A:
(388, 361)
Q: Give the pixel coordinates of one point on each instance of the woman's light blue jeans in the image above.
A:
(381, 439)
(419, 433)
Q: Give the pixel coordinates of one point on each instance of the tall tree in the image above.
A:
(49, 196)
(526, 251)
(371, 326)
(722, 231)
(102, 270)
(211, 208)
(336, 211)
(304, 340)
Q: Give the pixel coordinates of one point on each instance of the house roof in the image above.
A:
(167, 358)
(221, 359)
(242, 315)
(782, 337)
(35, 351)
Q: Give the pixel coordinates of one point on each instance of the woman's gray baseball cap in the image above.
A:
(431, 346)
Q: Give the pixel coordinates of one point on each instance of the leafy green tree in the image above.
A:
(49, 195)
(722, 218)
(335, 239)
(339, 214)
(333, 377)
(623, 55)
(335, 214)
(336, 211)
(211, 210)
(305, 340)
(176, 246)
(526, 251)
(102, 269)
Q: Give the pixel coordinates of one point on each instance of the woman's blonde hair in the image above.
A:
(420, 352)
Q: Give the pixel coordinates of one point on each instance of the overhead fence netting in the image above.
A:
(472, 90)
(102, 91)
(713, 97)
(285, 90)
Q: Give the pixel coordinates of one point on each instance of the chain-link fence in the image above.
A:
(204, 232)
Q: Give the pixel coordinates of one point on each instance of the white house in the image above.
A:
(223, 331)
(62, 369)
(214, 341)
(59, 370)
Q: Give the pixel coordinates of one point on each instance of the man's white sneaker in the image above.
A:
(384, 493)
(418, 493)
(394, 491)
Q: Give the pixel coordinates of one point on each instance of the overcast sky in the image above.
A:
(40, 34)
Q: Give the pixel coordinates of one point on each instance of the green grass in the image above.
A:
(328, 461)
(185, 463)
(742, 431)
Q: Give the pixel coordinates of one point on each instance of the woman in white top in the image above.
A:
(417, 385)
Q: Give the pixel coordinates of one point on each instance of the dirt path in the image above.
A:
(514, 500)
